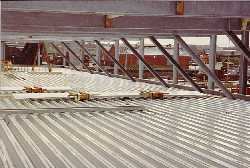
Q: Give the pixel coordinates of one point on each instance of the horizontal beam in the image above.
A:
(76, 21)
(21, 21)
(144, 8)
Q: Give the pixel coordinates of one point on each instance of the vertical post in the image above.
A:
(212, 60)
(2, 56)
(176, 57)
(117, 55)
(98, 56)
(244, 64)
(38, 55)
(141, 65)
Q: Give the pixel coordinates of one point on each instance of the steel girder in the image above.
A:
(144, 62)
(77, 57)
(197, 59)
(91, 57)
(137, 8)
(115, 61)
(172, 61)
(61, 53)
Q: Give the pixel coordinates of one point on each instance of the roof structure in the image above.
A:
(116, 127)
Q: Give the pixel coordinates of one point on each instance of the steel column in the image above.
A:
(141, 51)
(93, 59)
(117, 54)
(98, 56)
(176, 57)
(2, 56)
(144, 62)
(115, 61)
(61, 53)
(212, 60)
(197, 59)
(38, 55)
(244, 64)
(238, 43)
(177, 66)
(74, 54)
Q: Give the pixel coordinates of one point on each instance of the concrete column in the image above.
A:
(98, 55)
(176, 57)
(244, 64)
(117, 55)
(141, 51)
(212, 60)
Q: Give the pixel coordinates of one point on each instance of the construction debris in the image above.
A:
(34, 89)
(79, 96)
(152, 95)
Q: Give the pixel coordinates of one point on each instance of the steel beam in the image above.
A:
(244, 64)
(212, 60)
(117, 55)
(204, 68)
(61, 53)
(60, 21)
(77, 57)
(141, 66)
(177, 66)
(176, 57)
(115, 61)
(91, 57)
(139, 8)
(144, 62)
(238, 43)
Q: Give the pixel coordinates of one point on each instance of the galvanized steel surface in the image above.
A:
(203, 132)
(175, 132)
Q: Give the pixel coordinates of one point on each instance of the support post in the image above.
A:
(38, 55)
(115, 61)
(117, 55)
(144, 62)
(77, 57)
(176, 58)
(61, 53)
(2, 56)
(197, 59)
(98, 56)
(244, 64)
(175, 64)
(93, 59)
(212, 60)
(141, 51)
(238, 43)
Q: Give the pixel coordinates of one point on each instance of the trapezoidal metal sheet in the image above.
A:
(190, 132)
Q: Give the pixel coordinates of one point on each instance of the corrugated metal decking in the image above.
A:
(175, 132)
(205, 132)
